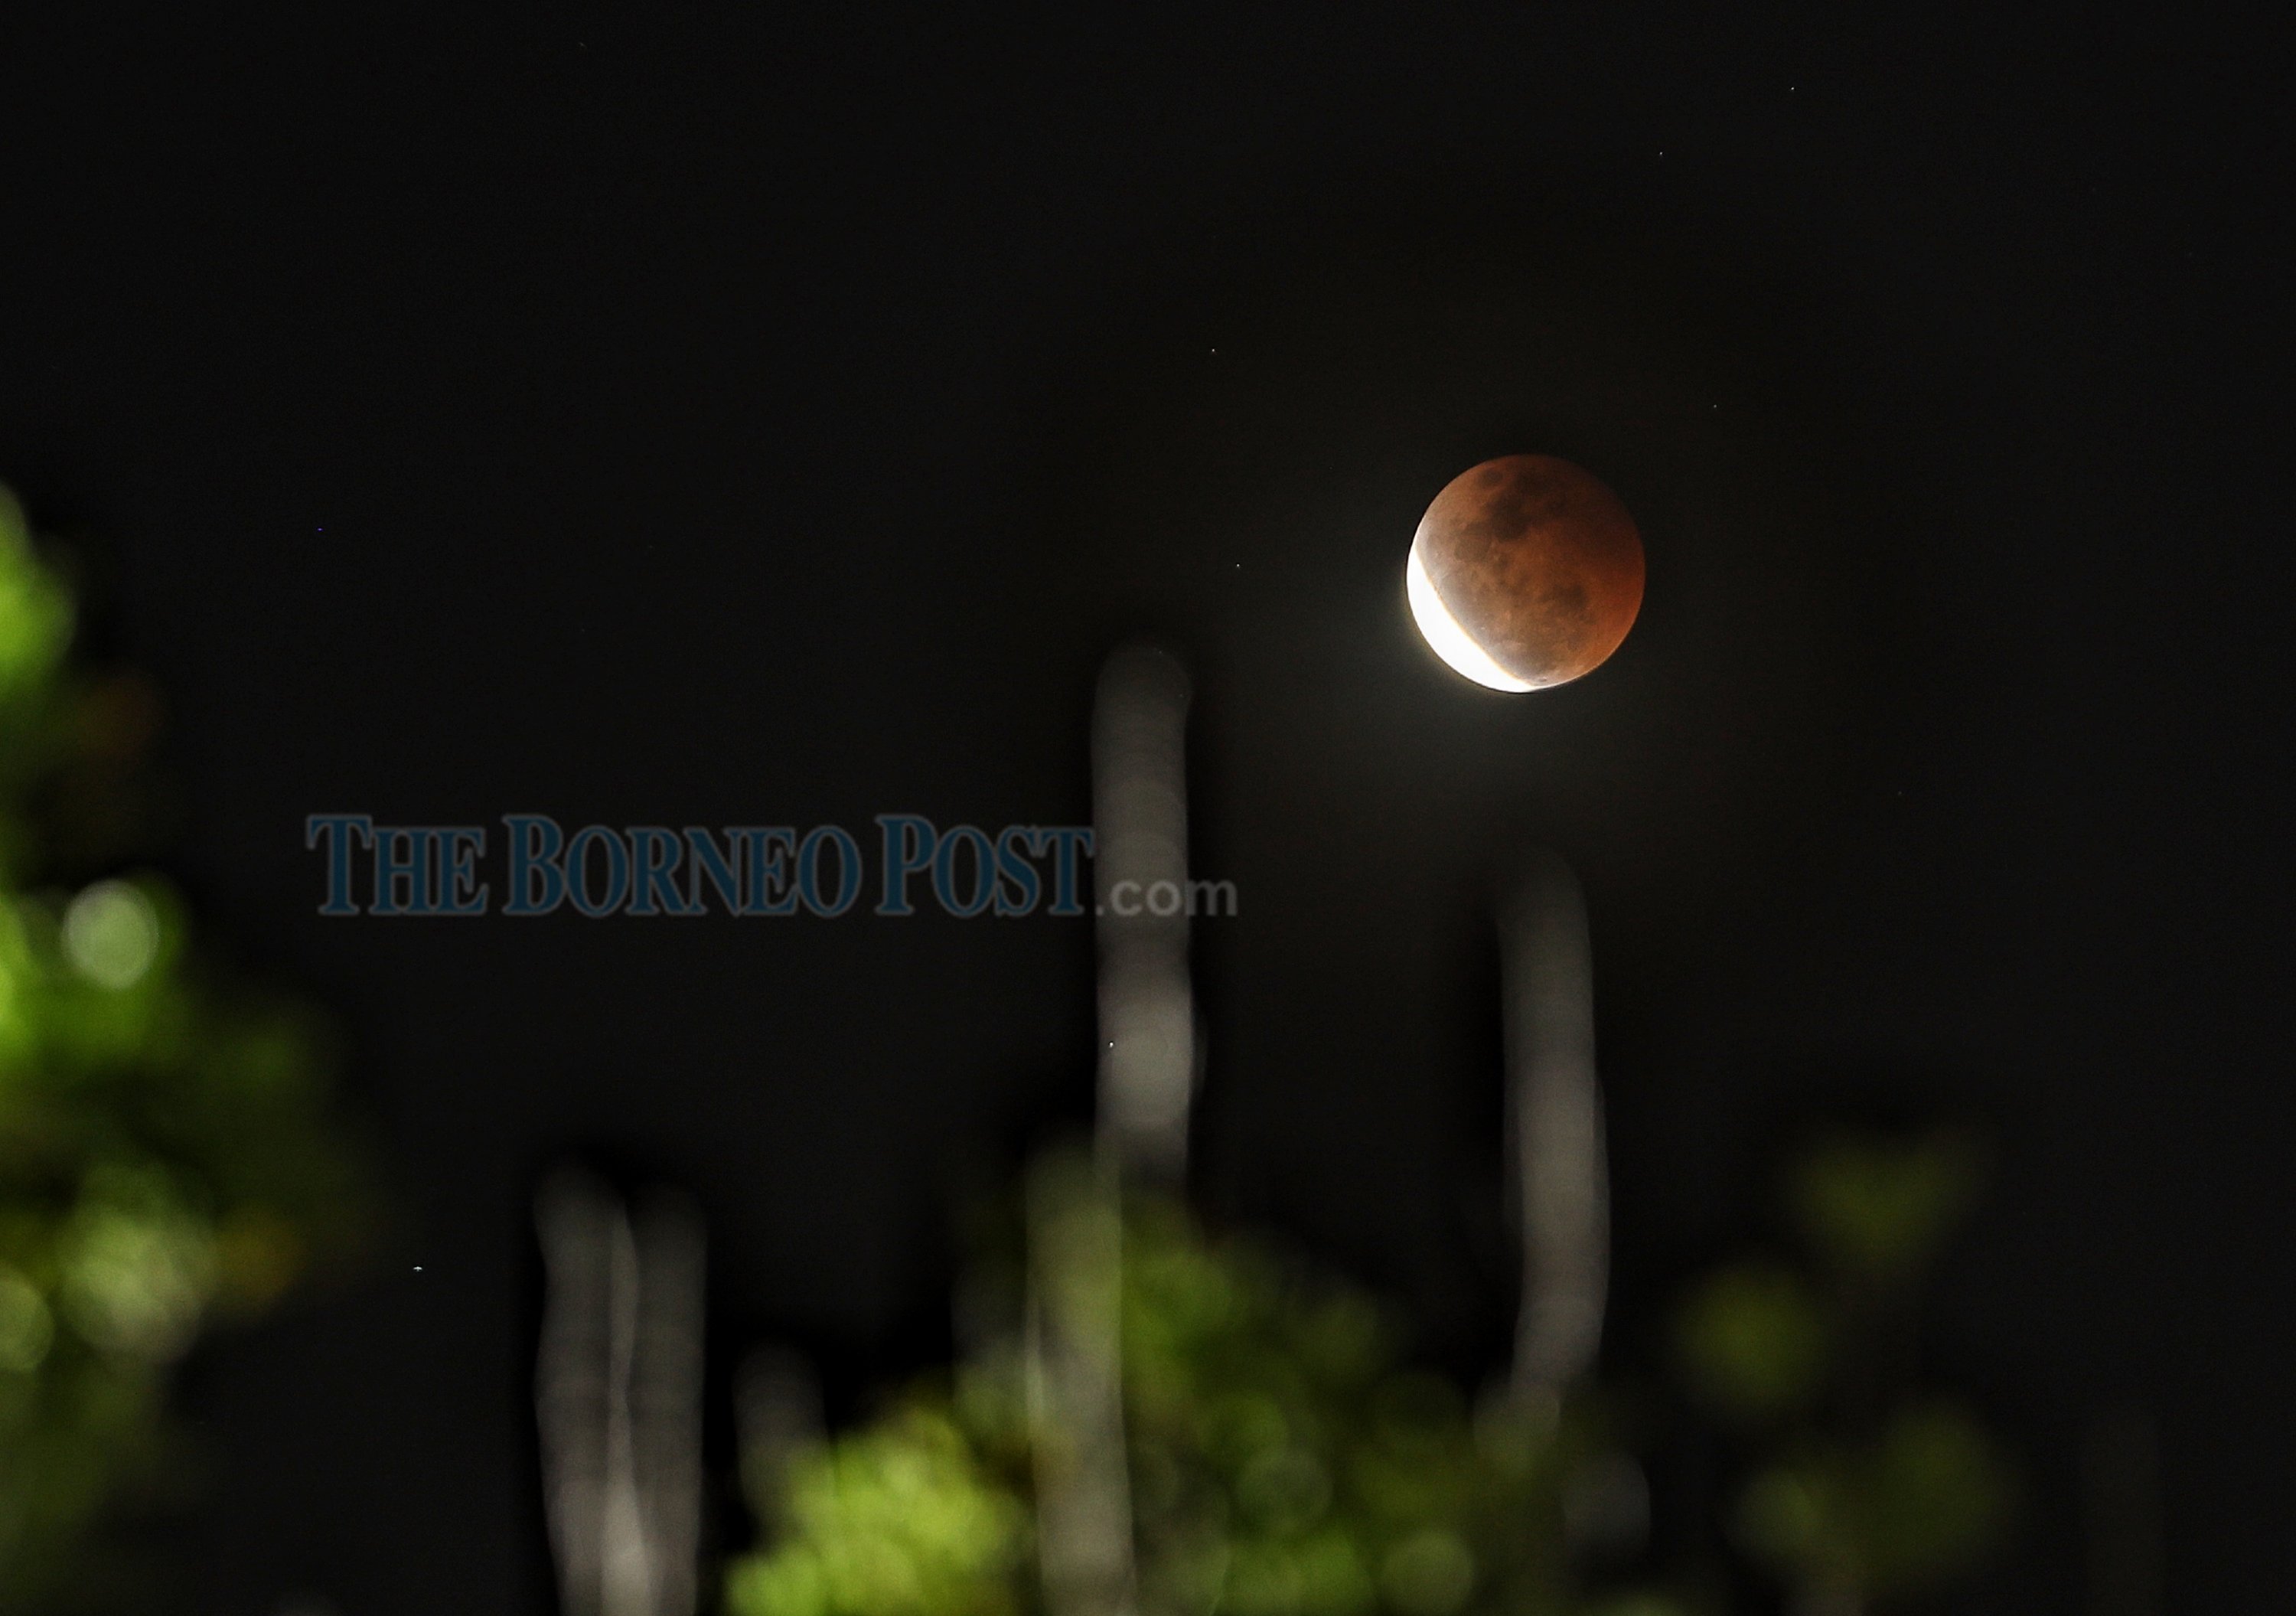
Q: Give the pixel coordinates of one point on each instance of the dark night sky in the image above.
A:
(777, 422)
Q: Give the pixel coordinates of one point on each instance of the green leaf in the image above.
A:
(1755, 1342)
(1877, 1211)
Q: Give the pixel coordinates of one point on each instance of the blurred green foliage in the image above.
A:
(1875, 1212)
(1860, 1486)
(907, 1518)
(1284, 1460)
(1756, 1340)
(164, 1158)
(1895, 1513)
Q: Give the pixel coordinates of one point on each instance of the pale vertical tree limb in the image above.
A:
(618, 1395)
(1148, 1064)
(1075, 1388)
(1148, 1069)
(1555, 1127)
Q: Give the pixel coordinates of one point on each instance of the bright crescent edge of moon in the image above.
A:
(1443, 634)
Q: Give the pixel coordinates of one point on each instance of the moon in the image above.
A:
(1525, 574)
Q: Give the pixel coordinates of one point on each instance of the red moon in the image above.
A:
(1526, 572)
